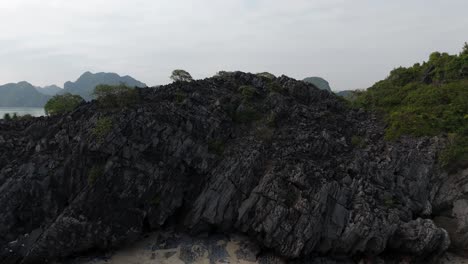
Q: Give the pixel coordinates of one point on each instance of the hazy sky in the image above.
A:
(351, 43)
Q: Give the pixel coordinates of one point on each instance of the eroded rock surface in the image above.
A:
(288, 165)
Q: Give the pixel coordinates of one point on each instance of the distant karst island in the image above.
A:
(25, 94)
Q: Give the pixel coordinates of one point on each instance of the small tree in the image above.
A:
(7, 116)
(110, 96)
(60, 104)
(181, 76)
(465, 49)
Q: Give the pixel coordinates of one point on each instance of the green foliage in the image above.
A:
(274, 87)
(427, 99)
(358, 141)
(216, 147)
(456, 155)
(266, 75)
(181, 76)
(221, 74)
(115, 96)
(102, 128)
(7, 116)
(95, 172)
(465, 49)
(60, 104)
(180, 97)
(272, 120)
(248, 92)
(389, 202)
(26, 116)
(246, 115)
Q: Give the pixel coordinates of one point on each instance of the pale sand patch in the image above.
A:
(141, 253)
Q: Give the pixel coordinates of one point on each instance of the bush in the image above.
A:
(455, 156)
(272, 120)
(7, 116)
(180, 97)
(60, 104)
(115, 96)
(246, 115)
(95, 172)
(358, 141)
(102, 128)
(248, 92)
(216, 147)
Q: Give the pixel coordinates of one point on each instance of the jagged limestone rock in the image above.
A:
(284, 170)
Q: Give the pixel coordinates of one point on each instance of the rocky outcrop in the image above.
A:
(451, 209)
(286, 164)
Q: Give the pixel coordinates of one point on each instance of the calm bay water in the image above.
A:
(34, 111)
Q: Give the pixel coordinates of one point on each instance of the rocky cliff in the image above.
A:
(280, 161)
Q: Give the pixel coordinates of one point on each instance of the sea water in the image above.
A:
(20, 111)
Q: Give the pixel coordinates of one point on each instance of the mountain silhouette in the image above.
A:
(85, 85)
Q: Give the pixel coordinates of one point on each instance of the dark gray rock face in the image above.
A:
(451, 207)
(280, 166)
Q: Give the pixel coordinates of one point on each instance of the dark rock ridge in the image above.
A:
(290, 166)
(86, 83)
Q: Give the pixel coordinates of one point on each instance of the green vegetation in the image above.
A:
(267, 75)
(180, 97)
(115, 96)
(181, 76)
(248, 92)
(274, 87)
(95, 172)
(272, 120)
(60, 104)
(7, 117)
(216, 147)
(246, 114)
(88, 81)
(426, 100)
(102, 128)
(221, 74)
(358, 142)
(389, 202)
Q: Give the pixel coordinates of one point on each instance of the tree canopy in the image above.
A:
(60, 104)
(426, 99)
(181, 76)
(465, 49)
(110, 96)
